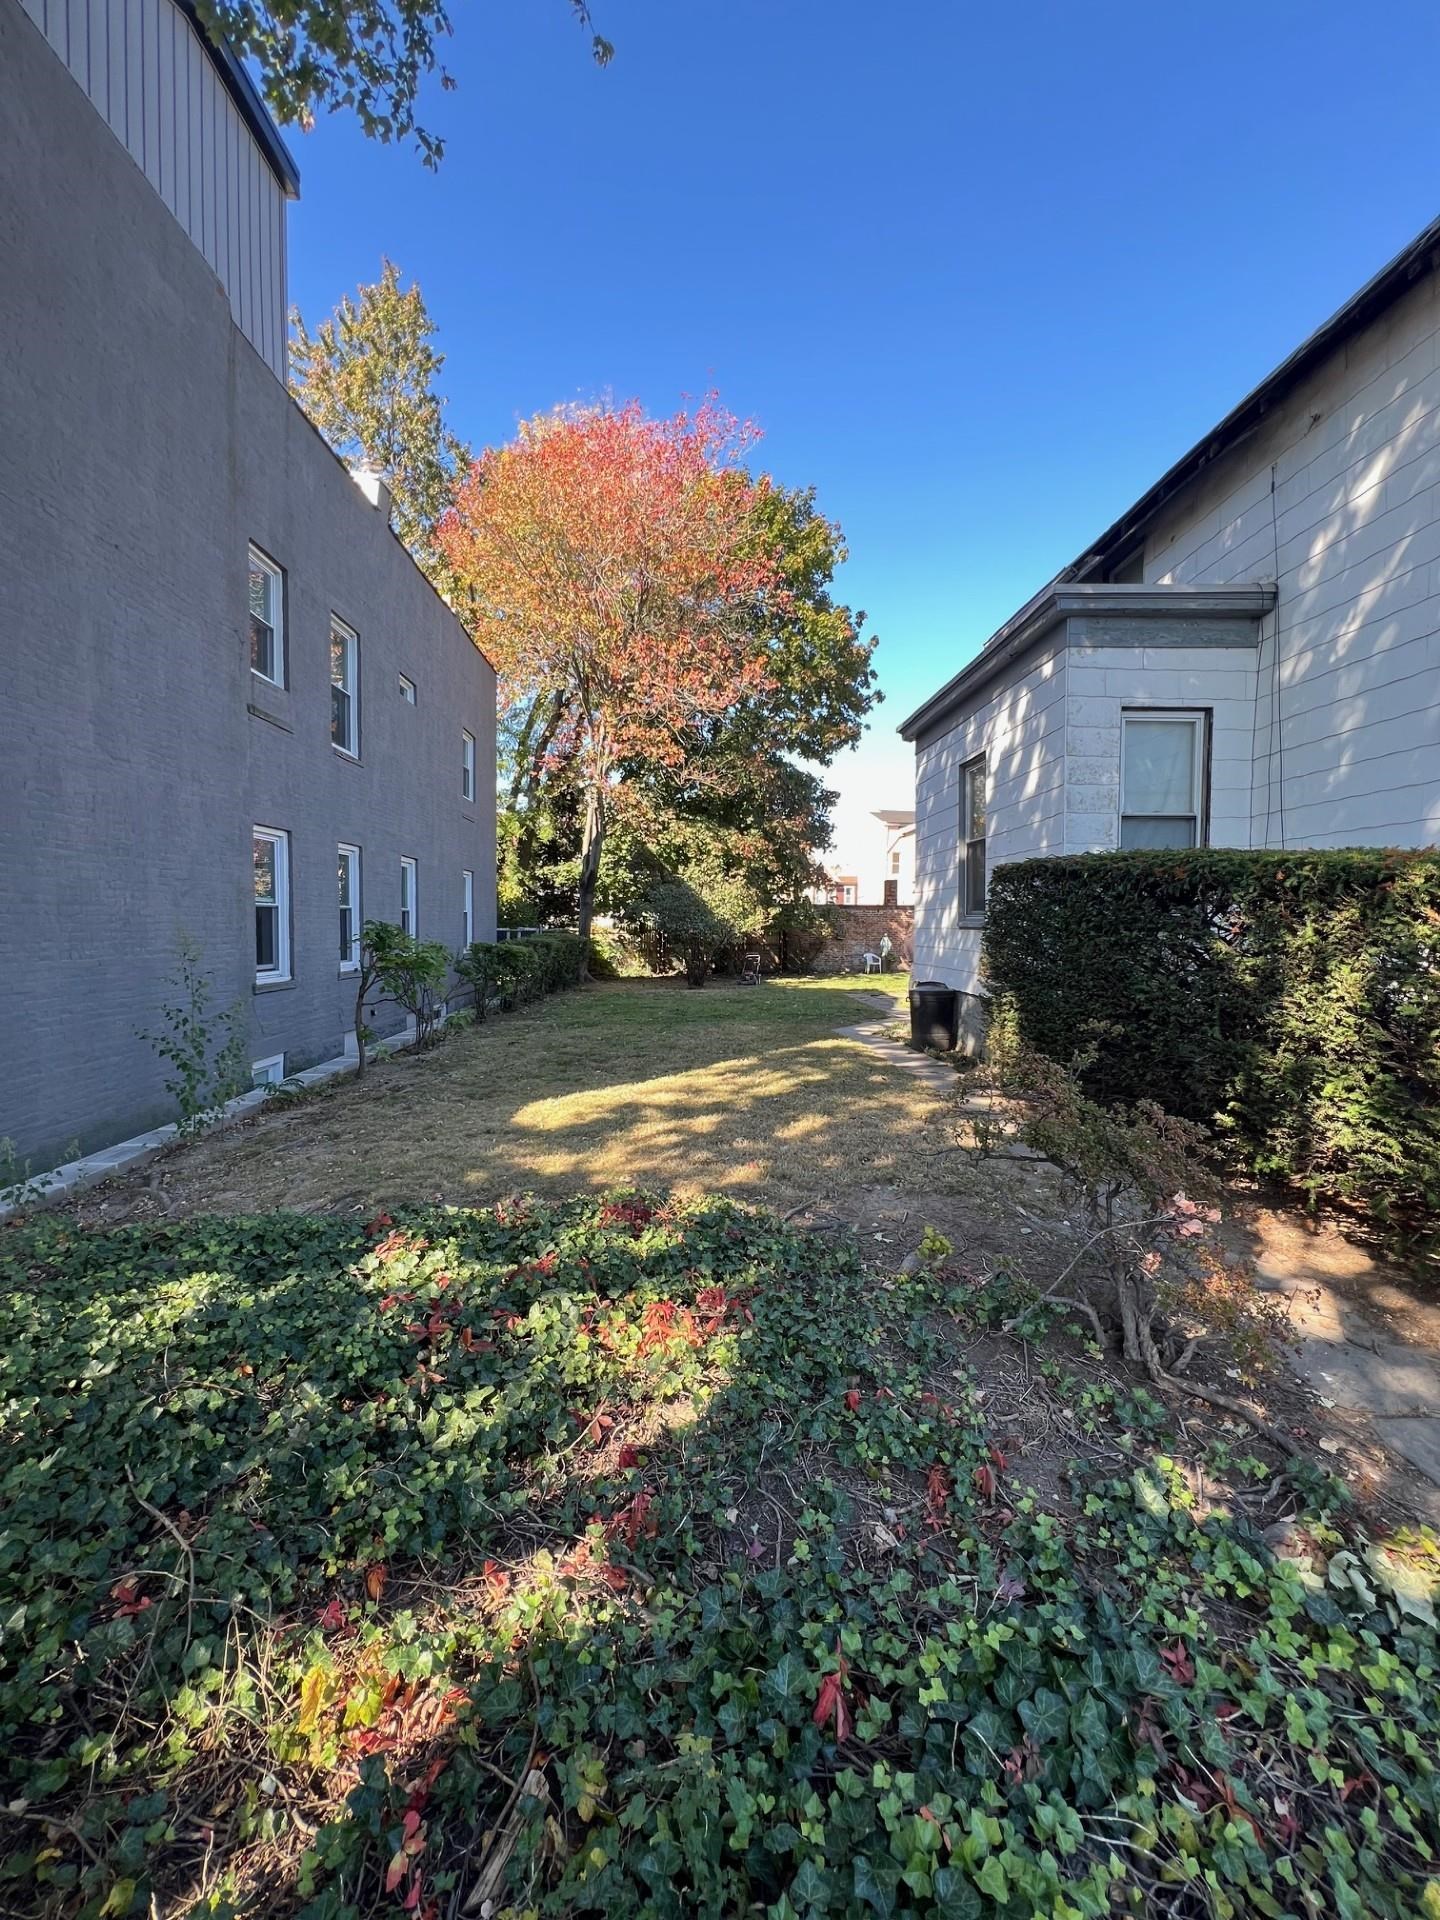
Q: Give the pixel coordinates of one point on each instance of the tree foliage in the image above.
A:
(610, 570)
(368, 57)
(741, 808)
(367, 378)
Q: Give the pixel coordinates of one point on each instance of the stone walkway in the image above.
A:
(1369, 1342)
(931, 1072)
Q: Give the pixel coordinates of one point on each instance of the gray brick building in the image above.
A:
(230, 697)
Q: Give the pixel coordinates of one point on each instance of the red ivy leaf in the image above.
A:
(1178, 1663)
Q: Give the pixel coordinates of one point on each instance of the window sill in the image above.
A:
(348, 973)
(972, 920)
(273, 986)
(263, 679)
(344, 753)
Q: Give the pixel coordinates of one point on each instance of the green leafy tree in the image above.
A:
(367, 377)
(367, 57)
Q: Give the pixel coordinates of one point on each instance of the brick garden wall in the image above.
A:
(859, 933)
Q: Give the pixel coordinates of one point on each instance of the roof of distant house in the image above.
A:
(894, 816)
(253, 110)
(1395, 278)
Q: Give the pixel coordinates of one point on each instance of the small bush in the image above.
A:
(514, 971)
(1289, 1000)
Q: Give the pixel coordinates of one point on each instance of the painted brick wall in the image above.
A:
(145, 443)
(1347, 725)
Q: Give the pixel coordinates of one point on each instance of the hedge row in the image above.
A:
(1291, 1000)
(513, 971)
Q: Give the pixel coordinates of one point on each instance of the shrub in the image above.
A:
(688, 927)
(203, 1047)
(1290, 1000)
(410, 972)
(515, 971)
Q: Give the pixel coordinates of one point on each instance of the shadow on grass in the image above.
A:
(686, 1512)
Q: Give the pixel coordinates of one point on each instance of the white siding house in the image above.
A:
(1249, 657)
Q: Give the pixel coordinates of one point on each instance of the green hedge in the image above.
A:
(519, 970)
(1289, 999)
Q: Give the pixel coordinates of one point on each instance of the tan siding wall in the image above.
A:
(147, 74)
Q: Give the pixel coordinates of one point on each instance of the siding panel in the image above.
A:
(150, 79)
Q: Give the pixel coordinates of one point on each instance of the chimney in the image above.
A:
(371, 482)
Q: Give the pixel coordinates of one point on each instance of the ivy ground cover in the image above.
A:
(637, 1560)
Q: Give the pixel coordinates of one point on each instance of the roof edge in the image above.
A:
(1067, 599)
(246, 95)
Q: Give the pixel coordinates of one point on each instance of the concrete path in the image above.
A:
(932, 1073)
(1368, 1341)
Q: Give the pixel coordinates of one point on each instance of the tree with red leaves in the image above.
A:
(608, 566)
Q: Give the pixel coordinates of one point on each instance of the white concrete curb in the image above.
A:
(62, 1183)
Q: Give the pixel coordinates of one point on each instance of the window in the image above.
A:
(895, 861)
(467, 765)
(407, 691)
(349, 909)
(972, 837)
(268, 1073)
(267, 619)
(1162, 779)
(272, 905)
(344, 689)
(408, 917)
(468, 910)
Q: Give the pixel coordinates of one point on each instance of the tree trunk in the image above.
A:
(591, 844)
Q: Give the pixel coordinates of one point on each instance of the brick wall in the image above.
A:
(145, 442)
(859, 932)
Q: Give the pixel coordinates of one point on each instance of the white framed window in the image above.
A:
(467, 910)
(349, 858)
(272, 905)
(895, 861)
(409, 897)
(467, 765)
(407, 690)
(972, 837)
(268, 1073)
(344, 689)
(267, 618)
(1162, 778)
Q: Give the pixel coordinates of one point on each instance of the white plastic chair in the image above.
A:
(872, 962)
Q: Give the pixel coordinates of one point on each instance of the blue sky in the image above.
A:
(980, 272)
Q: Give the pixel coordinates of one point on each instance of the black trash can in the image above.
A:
(934, 1016)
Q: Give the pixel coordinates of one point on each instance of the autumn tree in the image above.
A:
(367, 57)
(367, 379)
(609, 569)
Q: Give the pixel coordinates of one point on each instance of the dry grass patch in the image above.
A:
(743, 1091)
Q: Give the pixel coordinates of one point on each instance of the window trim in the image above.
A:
(350, 855)
(467, 765)
(977, 764)
(279, 838)
(467, 905)
(256, 558)
(339, 630)
(1198, 719)
(269, 1072)
(407, 690)
(409, 865)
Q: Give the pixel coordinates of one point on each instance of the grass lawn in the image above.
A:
(747, 1091)
(661, 1562)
